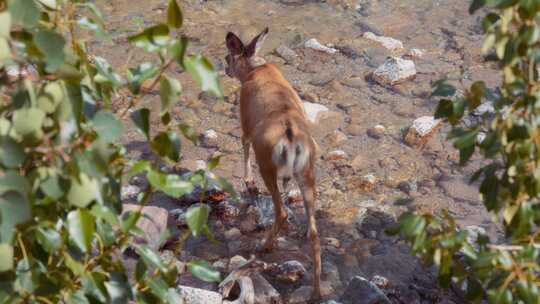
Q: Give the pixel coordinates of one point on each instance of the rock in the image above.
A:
(236, 261)
(330, 241)
(407, 187)
(416, 53)
(179, 216)
(459, 190)
(210, 138)
(336, 155)
(484, 108)
(303, 294)
(294, 196)
(363, 291)
(233, 234)
(480, 137)
(332, 302)
(197, 295)
(422, 130)
(310, 96)
(380, 281)
(264, 291)
(472, 234)
(200, 165)
(394, 70)
(316, 45)
(286, 53)
(153, 223)
(290, 271)
(389, 43)
(130, 191)
(225, 210)
(249, 221)
(376, 132)
(265, 212)
(355, 82)
(313, 110)
(359, 162)
(364, 183)
(336, 137)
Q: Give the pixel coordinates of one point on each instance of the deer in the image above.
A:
(274, 123)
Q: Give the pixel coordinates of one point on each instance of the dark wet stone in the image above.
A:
(360, 290)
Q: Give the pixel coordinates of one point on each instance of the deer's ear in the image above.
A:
(255, 45)
(234, 44)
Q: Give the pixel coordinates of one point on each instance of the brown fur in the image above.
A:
(272, 114)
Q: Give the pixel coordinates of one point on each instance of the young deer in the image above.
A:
(274, 122)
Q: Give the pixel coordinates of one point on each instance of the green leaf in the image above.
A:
(228, 187)
(151, 257)
(12, 181)
(83, 190)
(443, 89)
(189, 133)
(136, 76)
(28, 121)
(169, 91)
(174, 15)
(77, 297)
(51, 44)
(107, 73)
(203, 271)
(51, 187)
(214, 162)
(105, 213)
(445, 109)
(178, 50)
(52, 95)
(467, 139)
(5, 51)
(151, 39)
(6, 257)
(141, 118)
(167, 145)
(476, 5)
(11, 153)
(197, 218)
(108, 128)
(170, 184)
(81, 227)
(5, 24)
(49, 239)
(14, 210)
(24, 12)
(118, 288)
(138, 167)
(203, 72)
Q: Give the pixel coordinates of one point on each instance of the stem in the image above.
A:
(136, 98)
(23, 248)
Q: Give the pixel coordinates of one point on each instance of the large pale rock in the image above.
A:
(316, 45)
(394, 70)
(422, 130)
(199, 296)
(286, 53)
(313, 110)
(388, 42)
(153, 223)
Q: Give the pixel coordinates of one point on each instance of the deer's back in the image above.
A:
(266, 94)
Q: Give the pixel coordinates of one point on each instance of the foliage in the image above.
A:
(62, 163)
(510, 183)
